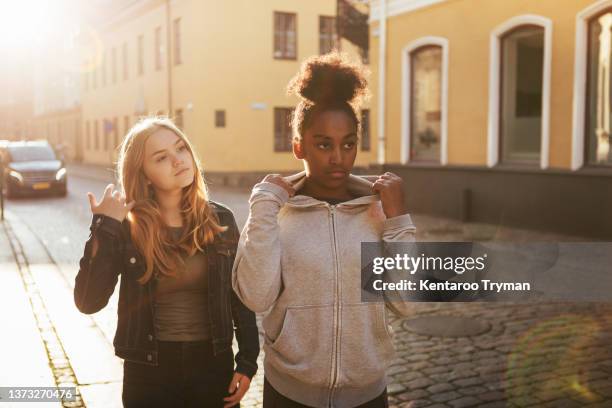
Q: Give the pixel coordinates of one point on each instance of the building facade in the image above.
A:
(16, 96)
(497, 111)
(220, 69)
(56, 98)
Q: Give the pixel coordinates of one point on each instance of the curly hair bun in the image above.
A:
(329, 78)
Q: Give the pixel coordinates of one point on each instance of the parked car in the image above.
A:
(32, 167)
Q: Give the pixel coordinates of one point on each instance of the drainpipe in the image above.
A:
(382, 67)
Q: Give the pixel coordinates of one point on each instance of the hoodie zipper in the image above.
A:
(337, 309)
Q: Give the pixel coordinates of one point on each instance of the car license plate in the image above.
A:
(41, 186)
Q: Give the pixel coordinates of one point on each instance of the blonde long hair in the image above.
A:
(154, 243)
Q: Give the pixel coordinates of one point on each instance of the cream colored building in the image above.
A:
(219, 68)
(497, 110)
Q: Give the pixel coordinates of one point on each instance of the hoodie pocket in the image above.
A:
(366, 345)
(303, 348)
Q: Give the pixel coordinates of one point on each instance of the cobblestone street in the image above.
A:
(548, 355)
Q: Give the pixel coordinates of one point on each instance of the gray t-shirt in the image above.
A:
(181, 302)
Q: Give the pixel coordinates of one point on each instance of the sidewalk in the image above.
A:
(51, 343)
(23, 354)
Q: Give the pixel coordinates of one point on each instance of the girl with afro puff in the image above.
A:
(299, 254)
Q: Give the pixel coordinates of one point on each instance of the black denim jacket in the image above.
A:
(135, 337)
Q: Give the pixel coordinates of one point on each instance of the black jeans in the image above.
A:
(274, 399)
(188, 375)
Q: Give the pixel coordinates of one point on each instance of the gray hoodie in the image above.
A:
(299, 259)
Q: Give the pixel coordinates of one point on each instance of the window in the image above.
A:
(598, 115)
(86, 81)
(115, 133)
(78, 139)
(177, 41)
(158, 49)
(96, 136)
(94, 77)
(114, 64)
(327, 34)
(125, 61)
(285, 35)
(282, 129)
(87, 136)
(365, 130)
(220, 118)
(522, 68)
(104, 69)
(364, 53)
(426, 95)
(107, 128)
(141, 54)
(126, 124)
(178, 118)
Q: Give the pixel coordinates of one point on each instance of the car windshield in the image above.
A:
(31, 153)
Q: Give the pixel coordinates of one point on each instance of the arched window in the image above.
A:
(519, 91)
(426, 103)
(597, 120)
(522, 61)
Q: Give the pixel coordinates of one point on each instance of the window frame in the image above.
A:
(411, 57)
(124, 51)
(220, 121)
(114, 65)
(587, 104)
(157, 41)
(104, 62)
(493, 136)
(333, 34)
(179, 118)
(406, 115)
(177, 57)
(87, 135)
(126, 124)
(284, 55)
(366, 147)
(500, 122)
(141, 54)
(96, 135)
(278, 140)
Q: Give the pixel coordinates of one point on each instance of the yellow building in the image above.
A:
(497, 110)
(56, 99)
(62, 128)
(219, 68)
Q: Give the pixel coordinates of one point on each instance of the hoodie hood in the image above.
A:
(360, 186)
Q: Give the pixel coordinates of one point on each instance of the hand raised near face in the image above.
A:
(112, 204)
(390, 187)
